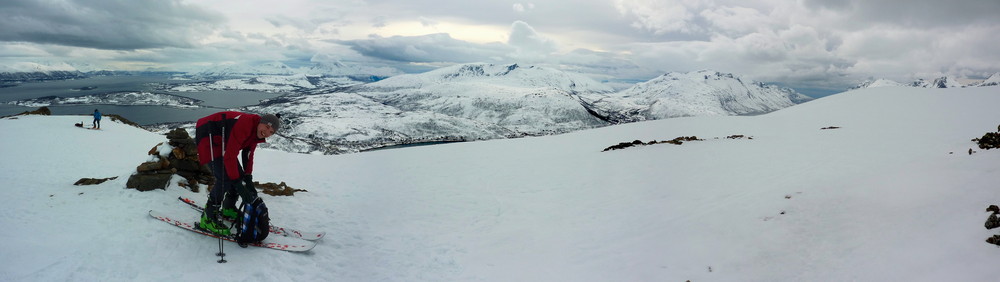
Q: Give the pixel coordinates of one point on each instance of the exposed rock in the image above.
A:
(995, 240)
(93, 181)
(147, 182)
(178, 134)
(40, 111)
(153, 166)
(675, 141)
(990, 140)
(277, 189)
(178, 153)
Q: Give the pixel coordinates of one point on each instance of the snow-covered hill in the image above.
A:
(115, 98)
(487, 101)
(30, 71)
(228, 70)
(941, 82)
(462, 102)
(881, 82)
(263, 83)
(993, 80)
(699, 93)
(891, 195)
(512, 75)
(526, 100)
(335, 68)
(320, 77)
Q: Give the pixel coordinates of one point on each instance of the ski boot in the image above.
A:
(230, 213)
(211, 223)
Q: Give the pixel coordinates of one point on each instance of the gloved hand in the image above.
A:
(248, 181)
(247, 193)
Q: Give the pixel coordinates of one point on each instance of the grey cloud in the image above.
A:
(379, 21)
(526, 39)
(112, 25)
(912, 13)
(430, 48)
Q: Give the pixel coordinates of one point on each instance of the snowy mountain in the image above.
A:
(527, 100)
(487, 101)
(941, 82)
(115, 98)
(463, 102)
(322, 76)
(881, 82)
(360, 72)
(993, 80)
(346, 123)
(229, 70)
(263, 83)
(30, 71)
(699, 93)
(891, 195)
(512, 75)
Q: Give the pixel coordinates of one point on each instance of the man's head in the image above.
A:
(269, 124)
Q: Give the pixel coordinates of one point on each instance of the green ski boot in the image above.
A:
(230, 213)
(210, 221)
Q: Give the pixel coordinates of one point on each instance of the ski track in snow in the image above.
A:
(880, 199)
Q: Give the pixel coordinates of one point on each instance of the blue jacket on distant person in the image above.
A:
(97, 119)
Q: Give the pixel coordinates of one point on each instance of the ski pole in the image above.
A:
(221, 253)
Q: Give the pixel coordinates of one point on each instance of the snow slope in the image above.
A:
(993, 80)
(881, 82)
(880, 199)
(699, 93)
(462, 102)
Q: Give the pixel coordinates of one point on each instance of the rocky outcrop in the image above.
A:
(179, 156)
(281, 189)
(93, 181)
(40, 111)
(675, 141)
(990, 140)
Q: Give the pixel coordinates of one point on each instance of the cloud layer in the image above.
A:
(113, 25)
(809, 44)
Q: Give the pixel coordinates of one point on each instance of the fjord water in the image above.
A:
(212, 101)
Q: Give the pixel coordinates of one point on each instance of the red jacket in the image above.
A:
(239, 130)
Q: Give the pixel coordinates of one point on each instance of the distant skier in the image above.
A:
(221, 138)
(97, 119)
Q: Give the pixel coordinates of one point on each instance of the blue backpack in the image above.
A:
(255, 224)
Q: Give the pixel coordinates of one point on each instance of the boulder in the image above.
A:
(178, 134)
(147, 182)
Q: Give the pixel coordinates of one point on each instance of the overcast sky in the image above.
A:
(809, 45)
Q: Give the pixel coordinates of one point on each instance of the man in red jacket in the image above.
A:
(221, 138)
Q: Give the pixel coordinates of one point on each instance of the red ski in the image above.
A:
(287, 232)
(277, 243)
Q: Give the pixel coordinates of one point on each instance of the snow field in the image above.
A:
(879, 199)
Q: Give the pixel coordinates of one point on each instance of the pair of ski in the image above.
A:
(285, 239)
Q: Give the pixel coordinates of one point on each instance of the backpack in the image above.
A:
(255, 224)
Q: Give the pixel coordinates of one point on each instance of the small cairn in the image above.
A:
(178, 156)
